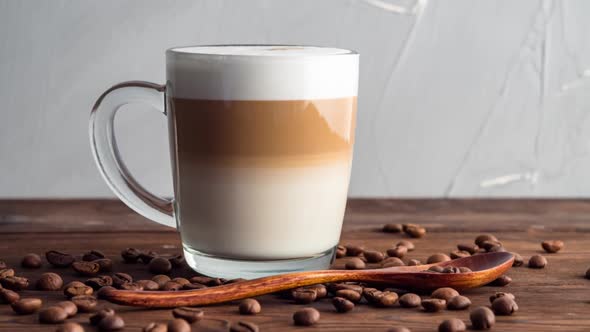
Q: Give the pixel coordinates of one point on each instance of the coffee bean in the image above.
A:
(392, 228)
(249, 307)
(96, 318)
(8, 296)
(14, 283)
(500, 294)
(93, 255)
(6, 272)
(178, 325)
(391, 262)
(31, 261)
(410, 300)
(52, 315)
(26, 305)
(458, 303)
(459, 254)
(438, 258)
(242, 326)
(552, 246)
(408, 244)
(470, 248)
(101, 293)
(354, 264)
(352, 250)
(319, 289)
(155, 327)
(193, 286)
(189, 314)
(148, 285)
(497, 248)
(501, 281)
(306, 317)
(49, 281)
(451, 269)
(303, 296)
(399, 329)
(70, 308)
(216, 282)
(161, 279)
(333, 288)
(121, 278)
(146, 256)
(464, 269)
(485, 237)
(372, 295)
(70, 327)
(414, 262)
(160, 265)
(130, 255)
(340, 251)
(114, 323)
(106, 265)
(399, 251)
(436, 268)
(482, 318)
(202, 280)
(132, 286)
(504, 305)
(171, 286)
(349, 294)
(489, 244)
(415, 231)
(86, 268)
(342, 305)
(373, 256)
(433, 305)
(59, 259)
(182, 281)
(177, 260)
(85, 303)
(388, 299)
(445, 293)
(99, 282)
(452, 325)
(537, 262)
(75, 288)
(518, 261)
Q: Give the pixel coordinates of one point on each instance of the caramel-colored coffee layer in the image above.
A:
(263, 133)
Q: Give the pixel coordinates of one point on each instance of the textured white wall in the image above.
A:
(457, 98)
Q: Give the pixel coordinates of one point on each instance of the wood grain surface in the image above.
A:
(550, 299)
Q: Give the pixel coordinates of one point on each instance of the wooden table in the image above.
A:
(554, 298)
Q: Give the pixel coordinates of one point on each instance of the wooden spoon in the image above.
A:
(485, 267)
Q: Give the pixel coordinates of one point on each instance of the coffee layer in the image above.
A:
(288, 133)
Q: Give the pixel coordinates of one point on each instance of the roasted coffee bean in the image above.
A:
(452, 325)
(391, 262)
(189, 314)
(414, 262)
(552, 246)
(242, 326)
(182, 281)
(482, 318)
(31, 261)
(85, 303)
(342, 305)
(100, 315)
(303, 296)
(489, 244)
(155, 327)
(451, 269)
(518, 261)
(436, 268)
(49, 281)
(410, 300)
(70, 308)
(485, 237)
(399, 251)
(146, 256)
(497, 248)
(349, 294)
(433, 305)
(177, 260)
(132, 286)
(160, 265)
(504, 305)
(464, 269)
(121, 278)
(178, 325)
(70, 327)
(399, 329)
(193, 286)
(130, 255)
(106, 265)
(333, 288)
(372, 295)
(52, 315)
(249, 307)
(93, 255)
(408, 244)
(84, 268)
(8, 296)
(458, 303)
(99, 282)
(438, 258)
(415, 231)
(216, 282)
(354, 263)
(161, 279)
(387, 299)
(306, 317)
(114, 323)
(6, 272)
(26, 305)
(59, 259)
(340, 251)
(459, 254)
(392, 228)
(320, 290)
(171, 286)
(537, 262)
(470, 248)
(14, 283)
(500, 294)
(352, 250)
(501, 281)
(148, 285)
(373, 256)
(75, 288)
(202, 280)
(445, 293)
(101, 293)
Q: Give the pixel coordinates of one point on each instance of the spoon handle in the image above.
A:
(230, 292)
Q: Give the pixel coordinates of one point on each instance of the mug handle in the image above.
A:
(106, 153)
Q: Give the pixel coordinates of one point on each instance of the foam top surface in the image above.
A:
(262, 50)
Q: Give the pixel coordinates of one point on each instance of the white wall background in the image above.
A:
(457, 98)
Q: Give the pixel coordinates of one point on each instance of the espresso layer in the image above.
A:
(262, 133)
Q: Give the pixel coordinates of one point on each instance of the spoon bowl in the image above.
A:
(485, 269)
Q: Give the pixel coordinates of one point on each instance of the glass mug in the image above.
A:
(261, 141)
